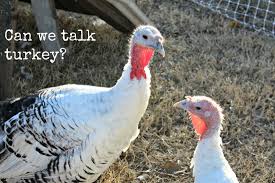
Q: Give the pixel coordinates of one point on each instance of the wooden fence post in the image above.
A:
(5, 65)
(46, 20)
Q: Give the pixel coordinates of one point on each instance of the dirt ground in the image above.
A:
(205, 55)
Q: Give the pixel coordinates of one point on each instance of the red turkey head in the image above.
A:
(145, 41)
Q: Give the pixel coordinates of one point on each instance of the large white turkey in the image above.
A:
(73, 133)
(209, 164)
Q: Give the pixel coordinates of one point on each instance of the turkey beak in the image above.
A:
(181, 104)
(159, 48)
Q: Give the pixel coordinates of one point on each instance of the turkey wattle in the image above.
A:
(209, 164)
(73, 133)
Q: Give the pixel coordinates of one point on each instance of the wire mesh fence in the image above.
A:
(256, 14)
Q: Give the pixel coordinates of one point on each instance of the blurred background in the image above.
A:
(206, 54)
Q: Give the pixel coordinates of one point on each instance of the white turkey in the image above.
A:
(209, 164)
(73, 133)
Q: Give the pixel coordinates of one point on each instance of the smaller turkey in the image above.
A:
(209, 164)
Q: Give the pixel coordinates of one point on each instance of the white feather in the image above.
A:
(209, 164)
(109, 116)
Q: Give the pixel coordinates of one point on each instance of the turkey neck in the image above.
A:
(132, 90)
(208, 153)
(136, 70)
(133, 87)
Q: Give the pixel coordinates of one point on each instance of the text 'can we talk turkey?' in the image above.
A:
(52, 56)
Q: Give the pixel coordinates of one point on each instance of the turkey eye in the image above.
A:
(145, 37)
(198, 108)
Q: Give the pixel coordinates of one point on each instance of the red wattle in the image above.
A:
(199, 124)
(140, 58)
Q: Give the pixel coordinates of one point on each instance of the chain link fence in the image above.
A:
(256, 14)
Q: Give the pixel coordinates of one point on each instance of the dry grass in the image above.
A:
(204, 57)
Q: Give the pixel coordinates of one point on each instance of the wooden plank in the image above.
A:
(46, 20)
(103, 9)
(5, 65)
(123, 15)
(129, 9)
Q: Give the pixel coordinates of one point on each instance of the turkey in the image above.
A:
(73, 133)
(209, 164)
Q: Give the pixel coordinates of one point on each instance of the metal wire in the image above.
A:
(256, 14)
